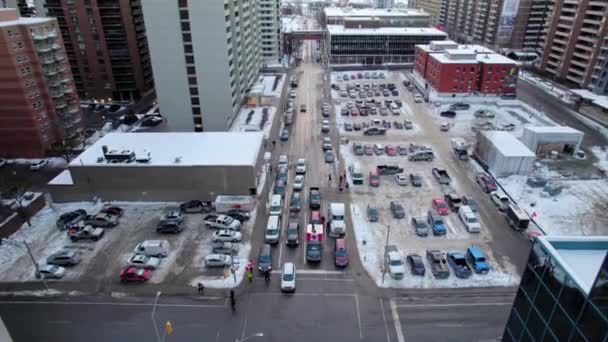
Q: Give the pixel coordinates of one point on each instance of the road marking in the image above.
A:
(115, 304)
(328, 279)
(450, 325)
(396, 321)
(388, 339)
(359, 317)
(245, 320)
(452, 305)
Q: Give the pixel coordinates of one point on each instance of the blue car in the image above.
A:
(284, 135)
(477, 260)
(459, 264)
(436, 222)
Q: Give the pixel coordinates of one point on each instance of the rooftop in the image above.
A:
(177, 149)
(10, 17)
(580, 256)
(599, 100)
(486, 58)
(388, 31)
(473, 47)
(508, 145)
(553, 129)
(373, 12)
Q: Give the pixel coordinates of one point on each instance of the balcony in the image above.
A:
(579, 63)
(60, 103)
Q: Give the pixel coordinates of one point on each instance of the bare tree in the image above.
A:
(14, 190)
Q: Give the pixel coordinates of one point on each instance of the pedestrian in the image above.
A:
(330, 178)
(201, 288)
(323, 221)
(340, 187)
(340, 179)
(270, 168)
(250, 276)
(344, 174)
(273, 143)
(232, 300)
(347, 186)
(267, 276)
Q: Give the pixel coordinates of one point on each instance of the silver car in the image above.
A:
(226, 235)
(51, 271)
(144, 261)
(64, 258)
(329, 156)
(218, 260)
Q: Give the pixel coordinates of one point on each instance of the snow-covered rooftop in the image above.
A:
(292, 23)
(373, 12)
(387, 31)
(447, 57)
(581, 257)
(508, 145)
(600, 100)
(552, 129)
(494, 58)
(178, 149)
(64, 178)
(20, 20)
(454, 46)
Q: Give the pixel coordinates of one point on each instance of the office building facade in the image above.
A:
(575, 44)
(375, 17)
(563, 295)
(40, 108)
(107, 48)
(270, 27)
(205, 55)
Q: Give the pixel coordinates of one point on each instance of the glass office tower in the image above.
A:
(563, 295)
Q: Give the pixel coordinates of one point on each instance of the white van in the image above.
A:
(154, 248)
(336, 220)
(276, 205)
(273, 229)
(356, 173)
(470, 220)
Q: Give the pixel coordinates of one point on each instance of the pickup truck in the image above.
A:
(221, 222)
(390, 169)
(441, 175)
(394, 262)
(459, 264)
(314, 198)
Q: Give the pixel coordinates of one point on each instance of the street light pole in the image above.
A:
(29, 252)
(152, 317)
(250, 336)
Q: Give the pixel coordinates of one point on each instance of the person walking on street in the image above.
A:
(250, 276)
(201, 288)
(330, 178)
(267, 276)
(232, 300)
(273, 143)
(340, 179)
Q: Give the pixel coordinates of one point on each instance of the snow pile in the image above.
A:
(244, 122)
(602, 157)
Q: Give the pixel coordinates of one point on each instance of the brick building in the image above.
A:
(449, 69)
(40, 107)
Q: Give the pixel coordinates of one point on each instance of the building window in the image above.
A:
(196, 110)
(195, 101)
(183, 3)
(185, 26)
(193, 91)
(188, 48)
(192, 80)
(191, 70)
(183, 14)
(189, 59)
(187, 37)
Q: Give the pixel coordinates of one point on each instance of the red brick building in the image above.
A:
(451, 69)
(39, 106)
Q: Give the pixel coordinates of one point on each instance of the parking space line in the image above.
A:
(453, 305)
(396, 321)
(388, 339)
(358, 317)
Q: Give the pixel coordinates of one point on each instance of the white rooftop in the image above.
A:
(24, 21)
(580, 256)
(600, 100)
(487, 58)
(553, 129)
(373, 12)
(212, 148)
(473, 47)
(387, 31)
(508, 145)
(494, 58)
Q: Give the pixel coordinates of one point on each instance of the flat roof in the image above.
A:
(486, 58)
(388, 31)
(472, 47)
(581, 257)
(553, 129)
(494, 58)
(25, 21)
(507, 144)
(600, 100)
(373, 12)
(178, 149)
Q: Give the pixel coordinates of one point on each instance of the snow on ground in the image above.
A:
(602, 155)
(590, 123)
(240, 123)
(54, 162)
(548, 86)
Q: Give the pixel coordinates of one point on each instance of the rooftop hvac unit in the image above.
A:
(116, 156)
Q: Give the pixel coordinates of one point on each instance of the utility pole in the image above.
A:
(29, 252)
(158, 339)
(388, 233)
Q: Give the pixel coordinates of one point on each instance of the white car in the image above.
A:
(301, 166)
(292, 94)
(401, 179)
(144, 261)
(226, 235)
(38, 165)
(500, 199)
(283, 161)
(218, 260)
(288, 277)
(325, 126)
(418, 98)
(174, 216)
(298, 183)
(51, 271)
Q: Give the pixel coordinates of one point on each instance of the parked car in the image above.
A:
(486, 182)
(372, 213)
(415, 179)
(418, 98)
(238, 215)
(453, 201)
(325, 126)
(402, 150)
(101, 220)
(71, 218)
(221, 221)
(226, 235)
(195, 206)
(439, 265)
(301, 166)
(86, 233)
(394, 262)
(440, 206)
(155, 248)
(419, 224)
(448, 114)
(174, 216)
(224, 248)
(390, 150)
(460, 106)
(38, 165)
(401, 179)
(326, 144)
(329, 156)
(374, 131)
(51, 271)
(112, 210)
(457, 261)
(500, 200)
(358, 149)
(397, 210)
(172, 227)
(143, 261)
(416, 264)
(477, 260)
(64, 258)
(436, 222)
(408, 124)
(134, 274)
(470, 220)
(469, 201)
(284, 135)
(218, 260)
(368, 150)
(484, 113)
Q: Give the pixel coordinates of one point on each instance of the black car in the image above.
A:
(460, 106)
(70, 218)
(395, 93)
(467, 200)
(416, 264)
(415, 179)
(238, 215)
(293, 234)
(448, 114)
(398, 103)
(196, 206)
(453, 201)
(173, 227)
(296, 202)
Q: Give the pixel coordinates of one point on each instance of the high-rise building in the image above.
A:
(471, 21)
(531, 23)
(270, 27)
(599, 78)
(107, 48)
(432, 7)
(205, 54)
(563, 295)
(576, 42)
(384, 3)
(40, 108)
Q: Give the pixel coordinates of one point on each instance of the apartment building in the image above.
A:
(270, 27)
(375, 17)
(471, 21)
(431, 7)
(205, 54)
(531, 23)
(563, 294)
(575, 46)
(107, 48)
(384, 3)
(40, 108)
(599, 78)
(378, 46)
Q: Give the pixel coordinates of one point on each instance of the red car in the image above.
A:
(374, 178)
(485, 182)
(354, 112)
(440, 206)
(390, 150)
(134, 274)
(112, 210)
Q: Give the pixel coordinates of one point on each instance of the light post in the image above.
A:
(152, 317)
(384, 268)
(250, 336)
(29, 252)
